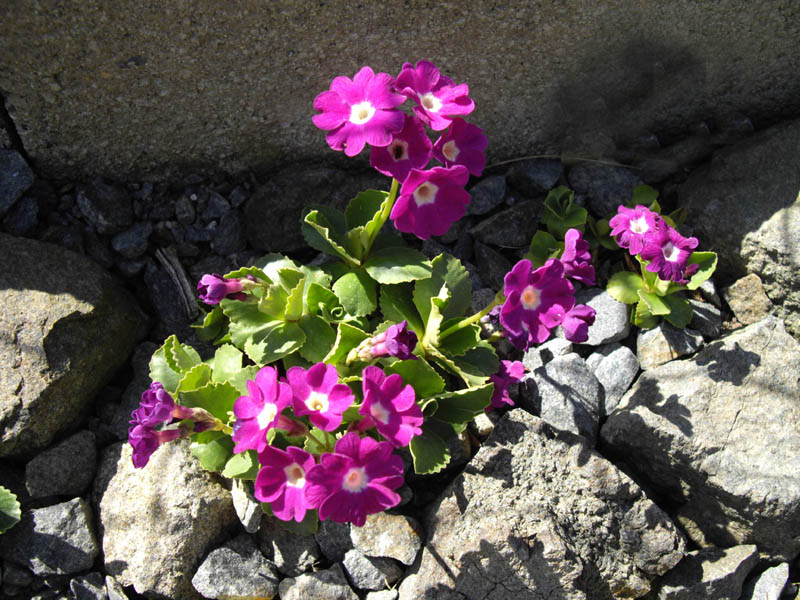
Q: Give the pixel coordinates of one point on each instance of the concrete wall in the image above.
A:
(151, 88)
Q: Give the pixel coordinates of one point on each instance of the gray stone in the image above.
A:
(55, 540)
(105, 205)
(11, 574)
(539, 514)
(768, 585)
(292, 554)
(745, 203)
(329, 584)
(616, 372)
(230, 234)
(535, 176)
(481, 298)
(66, 328)
(611, 322)
(537, 356)
(215, 207)
(706, 318)
(334, 539)
(65, 469)
(486, 195)
(606, 186)
(565, 394)
(392, 536)
(664, 343)
(157, 522)
(247, 508)
(709, 573)
(15, 178)
(23, 217)
(383, 595)
(747, 299)
(89, 587)
(510, 228)
(483, 425)
(116, 416)
(371, 573)
(689, 428)
(708, 290)
(236, 570)
(132, 243)
(492, 266)
(184, 210)
(115, 590)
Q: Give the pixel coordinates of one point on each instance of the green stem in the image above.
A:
(384, 216)
(498, 299)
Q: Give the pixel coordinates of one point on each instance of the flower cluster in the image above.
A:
(397, 341)
(643, 232)
(365, 110)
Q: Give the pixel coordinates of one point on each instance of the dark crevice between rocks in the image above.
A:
(7, 123)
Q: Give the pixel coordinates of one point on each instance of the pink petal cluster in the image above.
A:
(358, 479)
(390, 407)
(630, 226)
(462, 144)
(316, 392)
(260, 410)
(282, 481)
(398, 341)
(213, 288)
(511, 371)
(577, 259)
(437, 97)
(409, 149)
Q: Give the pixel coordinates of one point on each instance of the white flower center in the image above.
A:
(430, 102)
(425, 194)
(355, 480)
(379, 413)
(362, 112)
(295, 475)
(398, 149)
(267, 415)
(639, 225)
(450, 151)
(671, 253)
(531, 298)
(317, 402)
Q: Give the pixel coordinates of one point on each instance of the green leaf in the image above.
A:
(184, 357)
(624, 287)
(227, 362)
(272, 264)
(321, 234)
(460, 341)
(161, 372)
(462, 406)
(707, 262)
(600, 233)
(364, 207)
(397, 304)
(474, 367)
(274, 341)
(435, 319)
(216, 398)
(678, 217)
(256, 272)
(445, 270)
(644, 195)
(655, 304)
(543, 247)
(422, 377)
(357, 293)
(213, 449)
(320, 338)
(308, 526)
(642, 317)
(211, 326)
(347, 338)
(196, 377)
(239, 380)
(294, 302)
(319, 441)
(242, 466)
(680, 313)
(321, 301)
(397, 265)
(246, 320)
(429, 449)
(561, 213)
(10, 513)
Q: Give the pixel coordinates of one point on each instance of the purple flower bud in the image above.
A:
(213, 288)
(577, 259)
(155, 407)
(146, 440)
(398, 341)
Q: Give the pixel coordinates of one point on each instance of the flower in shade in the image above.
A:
(462, 144)
(630, 226)
(668, 252)
(409, 149)
(260, 410)
(155, 407)
(431, 201)
(282, 481)
(536, 301)
(576, 258)
(438, 97)
(316, 392)
(213, 288)
(356, 480)
(511, 371)
(398, 341)
(576, 323)
(145, 440)
(390, 407)
(359, 111)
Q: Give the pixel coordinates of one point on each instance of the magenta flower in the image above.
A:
(155, 407)
(511, 371)
(357, 480)
(318, 394)
(409, 149)
(536, 301)
(462, 144)
(259, 411)
(282, 481)
(577, 259)
(431, 201)
(577, 322)
(438, 98)
(359, 111)
(630, 226)
(398, 341)
(668, 252)
(145, 440)
(214, 288)
(390, 407)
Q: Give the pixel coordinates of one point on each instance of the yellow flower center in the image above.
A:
(531, 298)
(267, 415)
(317, 402)
(355, 480)
(639, 225)
(362, 112)
(430, 102)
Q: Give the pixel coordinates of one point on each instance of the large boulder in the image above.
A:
(538, 514)
(65, 328)
(720, 434)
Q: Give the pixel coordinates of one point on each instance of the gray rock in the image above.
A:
(768, 585)
(215, 207)
(486, 195)
(565, 394)
(664, 343)
(747, 299)
(606, 186)
(708, 290)
(492, 266)
(539, 514)
(132, 243)
(184, 211)
(65, 469)
(611, 322)
(11, 574)
(15, 178)
(334, 539)
(157, 522)
(89, 587)
(106, 206)
(165, 294)
(392, 536)
(55, 540)
(23, 217)
(537, 356)
(230, 234)
(292, 554)
(383, 595)
(709, 573)
(535, 176)
(688, 429)
(67, 327)
(510, 228)
(371, 573)
(706, 318)
(247, 508)
(329, 584)
(615, 373)
(236, 570)
(481, 298)
(116, 416)
(115, 590)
